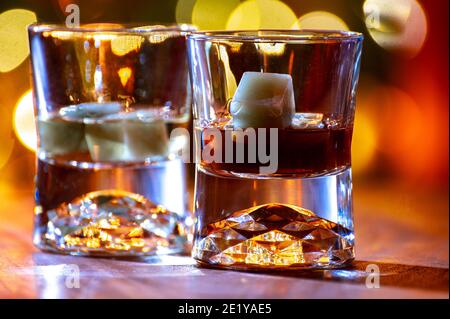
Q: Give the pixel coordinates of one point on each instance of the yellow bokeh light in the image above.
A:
(396, 25)
(271, 48)
(124, 74)
(262, 14)
(212, 14)
(364, 141)
(322, 20)
(61, 35)
(183, 11)
(246, 16)
(122, 45)
(24, 123)
(13, 37)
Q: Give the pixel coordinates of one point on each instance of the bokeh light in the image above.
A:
(14, 38)
(124, 75)
(24, 123)
(322, 20)
(364, 142)
(121, 45)
(396, 25)
(183, 11)
(212, 14)
(401, 112)
(406, 140)
(262, 14)
(6, 133)
(271, 48)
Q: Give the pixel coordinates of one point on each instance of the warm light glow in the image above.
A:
(121, 45)
(407, 135)
(396, 25)
(262, 14)
(212, 14)
(102, 26)
(245, 16)
(62, 35)
(230, 79)
(7, 143)
(24, 124)
(183, 11)
(158, 37)
(271, 48)
(322, 20)
(13, 37)
(124, 74)
(364, 140)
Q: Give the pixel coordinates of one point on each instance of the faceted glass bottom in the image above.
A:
(274, 236)
(113, 223)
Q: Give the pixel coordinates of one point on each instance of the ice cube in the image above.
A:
(90, 110)
(64, 133)
(105, 141)
(58, 136)
(147, 139)
(263, 100)
(125, 137)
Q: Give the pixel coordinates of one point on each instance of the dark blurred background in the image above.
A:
(401, 125)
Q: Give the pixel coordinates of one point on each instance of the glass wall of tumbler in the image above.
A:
(273, 120)
(109, 181)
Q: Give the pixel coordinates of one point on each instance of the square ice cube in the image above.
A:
(58, 136)
(105, 141)
(146, 139)
(126, 137)
(263, 100)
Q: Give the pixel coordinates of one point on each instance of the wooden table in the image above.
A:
(403, 232)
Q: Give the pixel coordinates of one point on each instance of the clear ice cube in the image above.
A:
(263, 100)
(106, 141)
(64, 134)
(127, 137)
(60, 137)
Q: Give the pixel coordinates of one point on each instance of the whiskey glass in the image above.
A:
(273, 120)
(107, 98)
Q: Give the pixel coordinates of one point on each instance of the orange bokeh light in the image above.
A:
(24, 123)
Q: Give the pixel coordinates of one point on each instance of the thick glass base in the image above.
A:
(112, 211)
(269, 235)
(266, 268)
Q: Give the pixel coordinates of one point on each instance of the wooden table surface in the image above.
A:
(403, 232)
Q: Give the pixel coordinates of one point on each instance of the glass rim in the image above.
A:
(110, 27)
(277, 35)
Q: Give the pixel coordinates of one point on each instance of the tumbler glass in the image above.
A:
(273, 120)
(107, 98)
